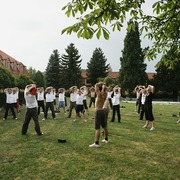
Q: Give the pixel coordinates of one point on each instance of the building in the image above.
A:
(113, 75)
(14, 66)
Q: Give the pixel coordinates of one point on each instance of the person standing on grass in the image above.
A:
(49, 102)
(92, 96)
(61, 101)
(40, 99)
(73, 95)
(9, 103)
(109, 96)
(80, 105)
(31, 112)
(148, 107)
(84, 91)
(101, 113)
(116, 103)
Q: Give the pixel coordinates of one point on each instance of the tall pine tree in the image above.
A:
(70, 65)
(97, 67)
(132, 71)
(53, 70)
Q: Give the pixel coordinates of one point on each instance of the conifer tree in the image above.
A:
(132, 71)
(97, 67)
(53, 70)
(70, 67)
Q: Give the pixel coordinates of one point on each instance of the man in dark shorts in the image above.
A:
(101, 114)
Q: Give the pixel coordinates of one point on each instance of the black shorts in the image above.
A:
(101, 116)
(80, 108)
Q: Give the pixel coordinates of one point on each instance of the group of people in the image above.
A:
(101, 97)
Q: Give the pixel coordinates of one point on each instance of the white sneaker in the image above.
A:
(105, 141)
(178, 121)
(43, 119)
(144, 126)
(4, 119)
(152, 129)
(94, 145)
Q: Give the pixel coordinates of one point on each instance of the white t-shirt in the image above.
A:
(31, 101)
(116, 99)
(79, 99)
(40, 96)
(61, 97)
(73, 97)
(49, 97)
(9, 98)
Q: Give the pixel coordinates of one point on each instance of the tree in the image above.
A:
(6, 79)
(132, 70)
(168, 79)
(52, 73)
(97, 67)
(162, 27)
(39, 79)
(22, 81)
(32, 72)
(70, 67)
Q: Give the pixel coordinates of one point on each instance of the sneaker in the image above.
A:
(94, 145)
(43, 119)
(15, 118)
(85, 120)
(178, 121)
(105, 141)
(54, 118)
(144, 126)
(152, 129)
(4, 119)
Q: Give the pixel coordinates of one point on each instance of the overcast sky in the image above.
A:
(31, 30)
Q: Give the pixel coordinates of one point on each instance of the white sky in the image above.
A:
(31, 30)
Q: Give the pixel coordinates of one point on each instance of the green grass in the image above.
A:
(132, 153)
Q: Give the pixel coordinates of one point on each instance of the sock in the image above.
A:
(96, 142)
(106, 138)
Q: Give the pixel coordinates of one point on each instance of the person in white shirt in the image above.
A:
(109, 96)
(73, 95)
(31, 112)
(84, 91)
(40, 99)
(9, 103)
(61, 101)
(80, 105)
(116, 103)
(49, 102)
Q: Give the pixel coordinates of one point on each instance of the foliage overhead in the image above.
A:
(94, 16)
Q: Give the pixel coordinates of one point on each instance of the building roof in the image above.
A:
(15, 67)
(114, 75)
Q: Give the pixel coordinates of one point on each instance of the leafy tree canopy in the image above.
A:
(162, 27)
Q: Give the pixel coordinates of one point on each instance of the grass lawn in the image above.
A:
(132, 152)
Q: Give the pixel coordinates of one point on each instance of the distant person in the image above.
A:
(49, 96)
(73, 95)
(116, 103)
(9, 103)
(31, 111)
(143, 98)
(40, 99)
(148, 108)
(61, 100)
(92, 96)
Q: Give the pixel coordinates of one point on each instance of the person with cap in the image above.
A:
(31, 112)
